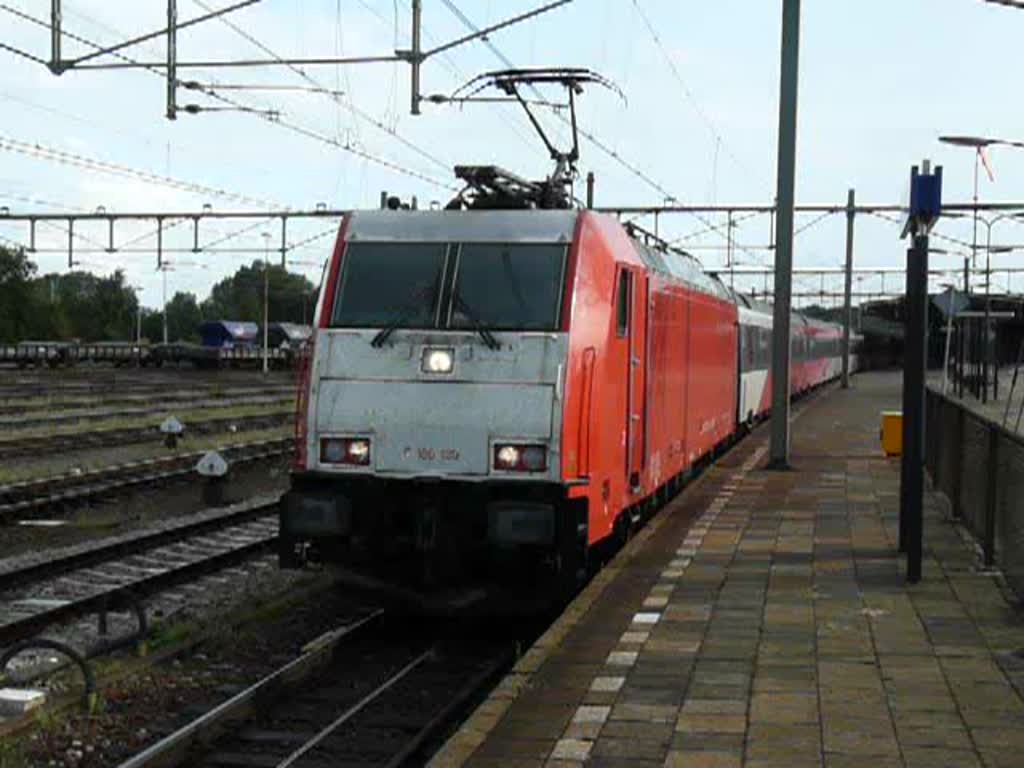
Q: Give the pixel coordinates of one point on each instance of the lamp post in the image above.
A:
(950, 311)
(989, 224)
(785, 194)
(979, 144)
(266, 302)
(138, 323)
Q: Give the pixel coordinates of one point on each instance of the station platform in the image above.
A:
(763, 620)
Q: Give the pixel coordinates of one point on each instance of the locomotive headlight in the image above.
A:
(345, 450)
(521, 458)
(506, 457)
(437, 360)
(358, 452)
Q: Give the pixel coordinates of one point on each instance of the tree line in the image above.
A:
(86, 307)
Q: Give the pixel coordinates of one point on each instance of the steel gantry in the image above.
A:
(415, 56)
(164, 221)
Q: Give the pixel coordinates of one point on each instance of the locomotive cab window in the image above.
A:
(390, 283)
(506, 287)
(622, 304)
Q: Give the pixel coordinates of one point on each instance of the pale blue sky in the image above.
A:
(880, 81)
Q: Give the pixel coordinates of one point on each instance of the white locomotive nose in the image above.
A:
(437, 361)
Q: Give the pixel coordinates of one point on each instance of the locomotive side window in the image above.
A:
(508, 287)
(390, 283)
(622, 304)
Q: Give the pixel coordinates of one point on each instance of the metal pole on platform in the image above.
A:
(911, 514)
(848, 288)
(925, 209)
(788, 90)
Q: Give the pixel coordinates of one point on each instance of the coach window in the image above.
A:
(622, 304)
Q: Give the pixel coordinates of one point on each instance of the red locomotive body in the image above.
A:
(498, 390)
(651, 382)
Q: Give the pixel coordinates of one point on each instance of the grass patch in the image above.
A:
(12, 755)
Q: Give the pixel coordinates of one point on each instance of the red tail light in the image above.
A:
(302, 404)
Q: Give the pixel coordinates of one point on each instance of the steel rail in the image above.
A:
(175, 748)
(36, 495)
(133, 543)
(355, 709)
(80, 382)
(103, 438)
(89, 415)
(84, 401)
(442, 719)
(129, 591)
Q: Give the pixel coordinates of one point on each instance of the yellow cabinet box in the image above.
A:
(892, 433)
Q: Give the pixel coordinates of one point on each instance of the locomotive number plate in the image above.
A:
(431, 454)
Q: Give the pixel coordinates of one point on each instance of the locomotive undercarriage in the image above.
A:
(437, 535)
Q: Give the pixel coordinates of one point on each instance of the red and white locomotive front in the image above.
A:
(432, 416)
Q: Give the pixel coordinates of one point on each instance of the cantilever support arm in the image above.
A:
(152, 35)
(481, 33)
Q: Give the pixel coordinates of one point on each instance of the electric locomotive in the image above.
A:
(498, 391)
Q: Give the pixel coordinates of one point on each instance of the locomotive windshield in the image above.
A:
(382, 283)
(508, 287)
(511, 287)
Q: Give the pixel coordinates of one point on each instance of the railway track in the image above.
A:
(381, 691)
(119, 573)
(29, 497)
(94, 383)
(77, 417)
(167, 394)
(46, 445)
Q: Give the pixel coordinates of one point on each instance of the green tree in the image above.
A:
(240, 297)
(183, 320)
(88, 307)
(18, 308)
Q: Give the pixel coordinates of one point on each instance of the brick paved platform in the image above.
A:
(762, 620)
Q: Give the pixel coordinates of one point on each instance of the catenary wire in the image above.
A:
(612, 153)
(241, 106)
(346, 103)
(712, 127)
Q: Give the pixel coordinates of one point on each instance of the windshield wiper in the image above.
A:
(407, 310)
(488, 338)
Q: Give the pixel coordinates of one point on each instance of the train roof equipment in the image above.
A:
(489, 186)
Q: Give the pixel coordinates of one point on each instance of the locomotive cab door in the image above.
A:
(631, 318)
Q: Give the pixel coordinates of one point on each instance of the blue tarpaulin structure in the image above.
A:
(228, 334)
